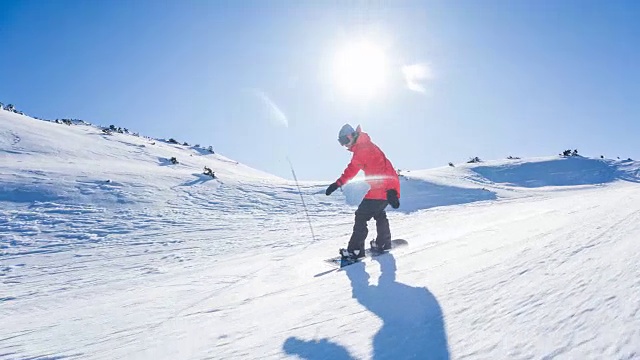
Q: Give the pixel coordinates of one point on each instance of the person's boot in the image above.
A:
(350, 257)
(380, 248)
(351, 254)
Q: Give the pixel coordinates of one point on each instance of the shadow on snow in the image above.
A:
(199, 179)
(413, 325)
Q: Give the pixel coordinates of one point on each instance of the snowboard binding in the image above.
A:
(350, 257)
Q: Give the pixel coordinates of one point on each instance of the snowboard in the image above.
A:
(368, 253)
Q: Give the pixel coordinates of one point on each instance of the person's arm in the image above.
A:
(351, 171)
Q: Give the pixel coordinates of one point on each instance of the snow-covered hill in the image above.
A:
(109, 251)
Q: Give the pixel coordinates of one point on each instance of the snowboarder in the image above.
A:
(384, 189)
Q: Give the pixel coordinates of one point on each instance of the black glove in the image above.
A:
(333, 187)
(392, 198)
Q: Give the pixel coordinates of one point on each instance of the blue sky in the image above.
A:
(257, 80)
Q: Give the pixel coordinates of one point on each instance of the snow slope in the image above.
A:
(108, 251)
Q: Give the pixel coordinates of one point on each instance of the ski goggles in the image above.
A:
(344, 140)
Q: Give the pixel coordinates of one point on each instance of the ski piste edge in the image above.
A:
(337, 260)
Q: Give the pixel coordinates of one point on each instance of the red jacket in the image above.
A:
(378, 170)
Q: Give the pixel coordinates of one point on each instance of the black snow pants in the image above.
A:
(370, 208)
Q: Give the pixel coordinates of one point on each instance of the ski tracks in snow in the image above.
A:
(555, 288)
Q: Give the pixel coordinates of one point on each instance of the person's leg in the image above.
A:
(383, 240)
(365, 212)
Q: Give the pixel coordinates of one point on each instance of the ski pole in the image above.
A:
(313, 236)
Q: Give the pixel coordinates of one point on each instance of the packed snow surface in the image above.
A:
(110, 251)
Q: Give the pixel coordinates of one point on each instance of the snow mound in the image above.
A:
(418, 193)
(491, 180)
(45, 161)
(559, 171)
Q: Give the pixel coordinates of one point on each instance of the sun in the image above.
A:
(359, 69)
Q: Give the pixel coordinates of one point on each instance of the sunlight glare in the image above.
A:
(359, 69)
